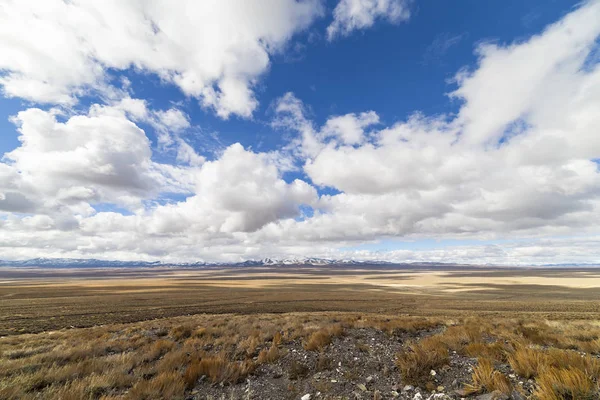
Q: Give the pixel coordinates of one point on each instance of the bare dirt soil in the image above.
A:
(34, 300)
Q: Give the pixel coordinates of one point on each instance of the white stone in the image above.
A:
(305, 397)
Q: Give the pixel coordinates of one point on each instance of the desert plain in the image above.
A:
(300, 332)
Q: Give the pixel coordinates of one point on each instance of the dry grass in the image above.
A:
(527, 362)
(220, 369)
(497, 351)
(565, 383)
(268, 356)
(456, 337)
(167, 358)
(164, 386)
(397, 327)
(322, 337)
(486, 379)
(146, 360)
(416, 363)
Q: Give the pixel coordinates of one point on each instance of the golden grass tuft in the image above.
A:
(268, 355)
(486, 379)
(416, 363)
(563, 384)
(220, 370)
(322, 337)
(458, 336)
(181, 332)
(497, 351)
(566, 358)
(527, 362)
(169, 385)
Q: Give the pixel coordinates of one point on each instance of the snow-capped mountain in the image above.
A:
(95, 263)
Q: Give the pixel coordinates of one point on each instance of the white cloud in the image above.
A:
(441, 176)
(52, 51)
(349, 128)
(518, 160)
(527, 80)
(351, 15)
(240, 192)
(101, 157)
(576, 250)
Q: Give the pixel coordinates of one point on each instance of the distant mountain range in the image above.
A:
(95, 263)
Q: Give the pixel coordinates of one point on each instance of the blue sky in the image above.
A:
(428, 170)
(393, 69)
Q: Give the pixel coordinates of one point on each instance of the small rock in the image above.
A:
(440, 388)
(305, 397)
(495, 395)
(432, 373)
(407, 388)
(395, 394)
(516, 396)
(362, 387)
(438, 396)
(333, 381)
(418, 396)
(369, 379)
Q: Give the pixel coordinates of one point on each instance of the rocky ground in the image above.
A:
(358, 365)
(307, 356)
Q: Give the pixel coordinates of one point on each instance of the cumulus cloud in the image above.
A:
(528, 81)
(54, 51)
(352, 15)
(527, 168)
(349, 128)
(101, 157)
(518, 159)
(234, 196)
(240, 192)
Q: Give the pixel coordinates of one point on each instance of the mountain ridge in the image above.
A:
(97, 263)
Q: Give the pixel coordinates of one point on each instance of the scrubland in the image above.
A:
(211, 356)
(285, 334)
